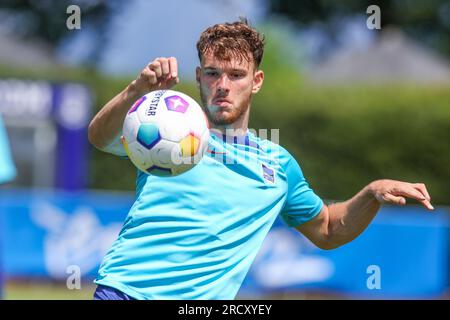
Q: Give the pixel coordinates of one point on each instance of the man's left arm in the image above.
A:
(340, 223)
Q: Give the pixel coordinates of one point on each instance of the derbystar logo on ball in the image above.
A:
(165, 133)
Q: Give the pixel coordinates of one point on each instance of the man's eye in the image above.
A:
(211, 73)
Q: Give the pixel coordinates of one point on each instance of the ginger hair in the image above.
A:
(232, 40)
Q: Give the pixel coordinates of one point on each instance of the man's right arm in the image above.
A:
(106, 127)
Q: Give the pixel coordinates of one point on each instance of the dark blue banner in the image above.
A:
(68, 107)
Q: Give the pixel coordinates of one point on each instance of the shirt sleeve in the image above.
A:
(302, 204)
(116, 148)
(7, 167)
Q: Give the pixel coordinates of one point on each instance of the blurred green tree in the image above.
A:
(46, 20)
(425, 21)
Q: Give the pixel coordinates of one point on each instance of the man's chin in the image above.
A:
(222, 121)
(221, 118)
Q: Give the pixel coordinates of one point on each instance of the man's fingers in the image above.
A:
(172, 81)
(149, 76)
(394, 199)
(161, 73)
(423, 189)
(427, 204)
(173, 65)
(399, 200)
(156, 67)
(164, 62)
(410, 192)
(397, 192)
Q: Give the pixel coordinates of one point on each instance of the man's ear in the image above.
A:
(198, 71)
(257, 81)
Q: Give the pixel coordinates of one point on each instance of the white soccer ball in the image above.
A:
(165, 133)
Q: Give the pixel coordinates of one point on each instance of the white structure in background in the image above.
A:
(15, 52)
(394, 57)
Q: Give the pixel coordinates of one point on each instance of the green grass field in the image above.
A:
(46, 291)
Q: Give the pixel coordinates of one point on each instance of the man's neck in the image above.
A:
(237, 128)
(229, 131)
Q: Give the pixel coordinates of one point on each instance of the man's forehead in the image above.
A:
(233, 62)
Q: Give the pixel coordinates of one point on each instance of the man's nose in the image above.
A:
(223, 84)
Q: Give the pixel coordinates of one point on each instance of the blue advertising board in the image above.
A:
(44, 233)
(402, 254)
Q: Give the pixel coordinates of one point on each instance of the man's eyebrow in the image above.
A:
(230, 69)
(239, 71)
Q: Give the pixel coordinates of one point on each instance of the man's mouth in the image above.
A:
(221, 102)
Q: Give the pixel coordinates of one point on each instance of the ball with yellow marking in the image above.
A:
(165, 133)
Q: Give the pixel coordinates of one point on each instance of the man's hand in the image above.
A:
(342, 222)
(161, 73)
(106, 127)
(396, 192)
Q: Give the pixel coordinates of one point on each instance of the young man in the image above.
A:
(199, 242)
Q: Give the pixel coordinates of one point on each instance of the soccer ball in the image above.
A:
(165, 133)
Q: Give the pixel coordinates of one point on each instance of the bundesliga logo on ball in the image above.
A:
(165, 133)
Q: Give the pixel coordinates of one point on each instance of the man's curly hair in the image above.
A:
(232, 40)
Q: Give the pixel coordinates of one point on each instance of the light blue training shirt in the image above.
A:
(7, 168)
(195, 235)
